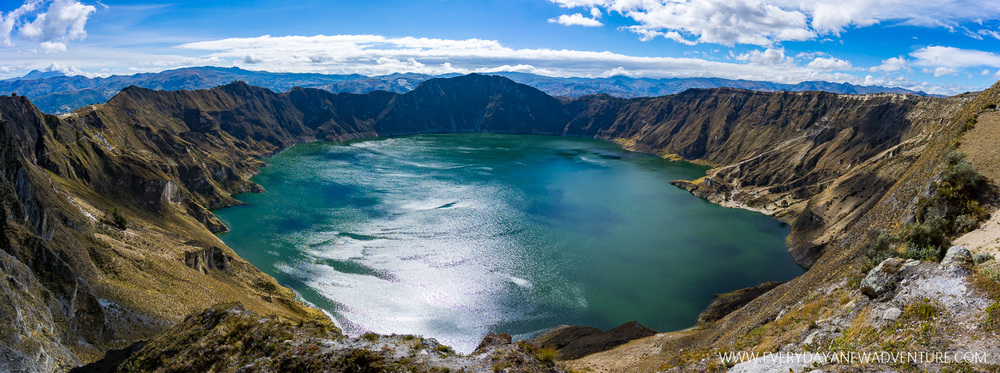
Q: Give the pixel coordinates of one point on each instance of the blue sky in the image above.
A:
(938, 46)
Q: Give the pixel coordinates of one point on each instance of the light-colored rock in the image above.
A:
(891, 314)
(882, 279)
(956, 257)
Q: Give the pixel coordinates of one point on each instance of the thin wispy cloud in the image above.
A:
(951, 57)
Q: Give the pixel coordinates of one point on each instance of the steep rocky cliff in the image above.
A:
(827, 163)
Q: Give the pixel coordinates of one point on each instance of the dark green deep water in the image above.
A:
(455, 236)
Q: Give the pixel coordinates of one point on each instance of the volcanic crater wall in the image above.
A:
(817, 160)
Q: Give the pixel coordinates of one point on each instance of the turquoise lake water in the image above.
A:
(455, 236)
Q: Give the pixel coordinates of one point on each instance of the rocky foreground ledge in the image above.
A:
(230, 338)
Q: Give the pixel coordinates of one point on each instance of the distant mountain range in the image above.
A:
(54, 92)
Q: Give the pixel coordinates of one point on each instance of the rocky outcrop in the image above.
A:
(229, 338)
(493, 340)
(882, 279)
(724, 304)
(573, 342)
(210, 258)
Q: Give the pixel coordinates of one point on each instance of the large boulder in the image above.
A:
(881, 280)
(957, 257)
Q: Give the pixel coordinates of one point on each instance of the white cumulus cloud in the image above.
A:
(53, 24)
(765, 22)
(767, 57)
(890, 65)
(941, 71)
(380, 55)
(576, 19)
(829, 64)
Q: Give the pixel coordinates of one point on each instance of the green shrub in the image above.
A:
(992, 319)
(965, 223)
(982, 258)
(876, 258)
(960, 182)
(445, 350)
(926, 240)
(268, 287)
(927, 253)
(990, 270)
(883, 241)
(115, 218)
(880, 249)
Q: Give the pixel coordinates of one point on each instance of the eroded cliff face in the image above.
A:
(163, 159)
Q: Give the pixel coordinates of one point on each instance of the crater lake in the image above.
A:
(453, 236)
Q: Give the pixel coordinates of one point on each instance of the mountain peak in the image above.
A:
(39, 74)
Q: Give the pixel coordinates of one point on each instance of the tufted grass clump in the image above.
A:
(546, 355)
(922, 310)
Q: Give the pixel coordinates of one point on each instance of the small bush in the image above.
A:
(268, 287)
(880, 249)
(990, 271)
(982, 258)
(926, 241)
(876, 258)
(960, 182)
(965, 223)
(992, 319)
(370, 337)
(926, 253)
(445, 350)
(115, 218)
